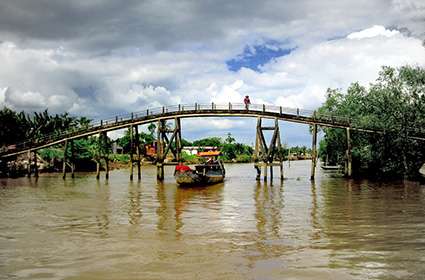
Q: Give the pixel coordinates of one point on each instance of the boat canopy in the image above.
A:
(209, 154)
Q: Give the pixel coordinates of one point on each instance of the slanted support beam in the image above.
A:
(265, 155)
(166, 143)
(64, 159)
(314, 152)
(348, 171)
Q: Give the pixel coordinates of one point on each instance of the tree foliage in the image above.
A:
(395, 104)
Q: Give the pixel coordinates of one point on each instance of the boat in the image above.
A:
(326, 166)
(422, 170)
(211, 172)
(331, 167)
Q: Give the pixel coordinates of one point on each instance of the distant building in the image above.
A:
(194, 150)
(116, 149)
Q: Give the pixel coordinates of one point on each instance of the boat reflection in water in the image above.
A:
(211, 172)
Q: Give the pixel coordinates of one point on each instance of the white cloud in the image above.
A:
(2, 96)
(66, 80)
(374, 31)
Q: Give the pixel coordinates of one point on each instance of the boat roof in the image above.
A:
(209, 153)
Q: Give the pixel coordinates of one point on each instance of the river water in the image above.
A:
(242, 229)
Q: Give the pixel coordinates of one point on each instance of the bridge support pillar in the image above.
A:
(104, 152)
(97, 169)
(168, 139)
(137, 142)
(72, 160)
(265, 155)
(131, 152)
(348, 171)
(160, 150)
(29, 164)
(35, 164)
(314, 152)
(64, 160)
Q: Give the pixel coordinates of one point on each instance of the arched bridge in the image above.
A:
(177, 112)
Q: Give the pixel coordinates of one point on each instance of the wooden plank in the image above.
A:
(202, 113)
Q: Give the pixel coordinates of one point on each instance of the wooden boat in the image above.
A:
(326, 166)
(204, 174)
(331, 167)
(422, 171)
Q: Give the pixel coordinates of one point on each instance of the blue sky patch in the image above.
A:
(255, 56)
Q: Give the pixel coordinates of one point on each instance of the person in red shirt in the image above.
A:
(247, 102)
(182, 168)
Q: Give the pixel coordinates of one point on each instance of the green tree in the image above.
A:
(395, 104)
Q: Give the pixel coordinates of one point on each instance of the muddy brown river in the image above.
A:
(241, 229)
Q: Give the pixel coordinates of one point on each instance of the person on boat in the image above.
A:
(210, 160)
(246, 101)
(181, 168)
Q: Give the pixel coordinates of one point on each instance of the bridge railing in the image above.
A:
(158, 111)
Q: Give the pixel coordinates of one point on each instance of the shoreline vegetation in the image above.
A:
(394, 103)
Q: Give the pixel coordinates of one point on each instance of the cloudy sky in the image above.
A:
(98, 58)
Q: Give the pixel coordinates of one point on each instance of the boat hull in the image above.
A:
(331, 167)
(192, 179)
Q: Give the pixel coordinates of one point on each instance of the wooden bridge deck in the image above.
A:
(190, 111)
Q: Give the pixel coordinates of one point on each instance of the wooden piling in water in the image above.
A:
(72, 159)
(98, 169)
(266, 155)
(131, 152)
(137, 142)
(29, 164)
(178, 139)
(64, 160)
(35, 164)
(348, 171)
(314, 152)
(106, 167)
(160, 150)
(104, 143)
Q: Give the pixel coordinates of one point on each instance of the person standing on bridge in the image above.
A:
(247, 102)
